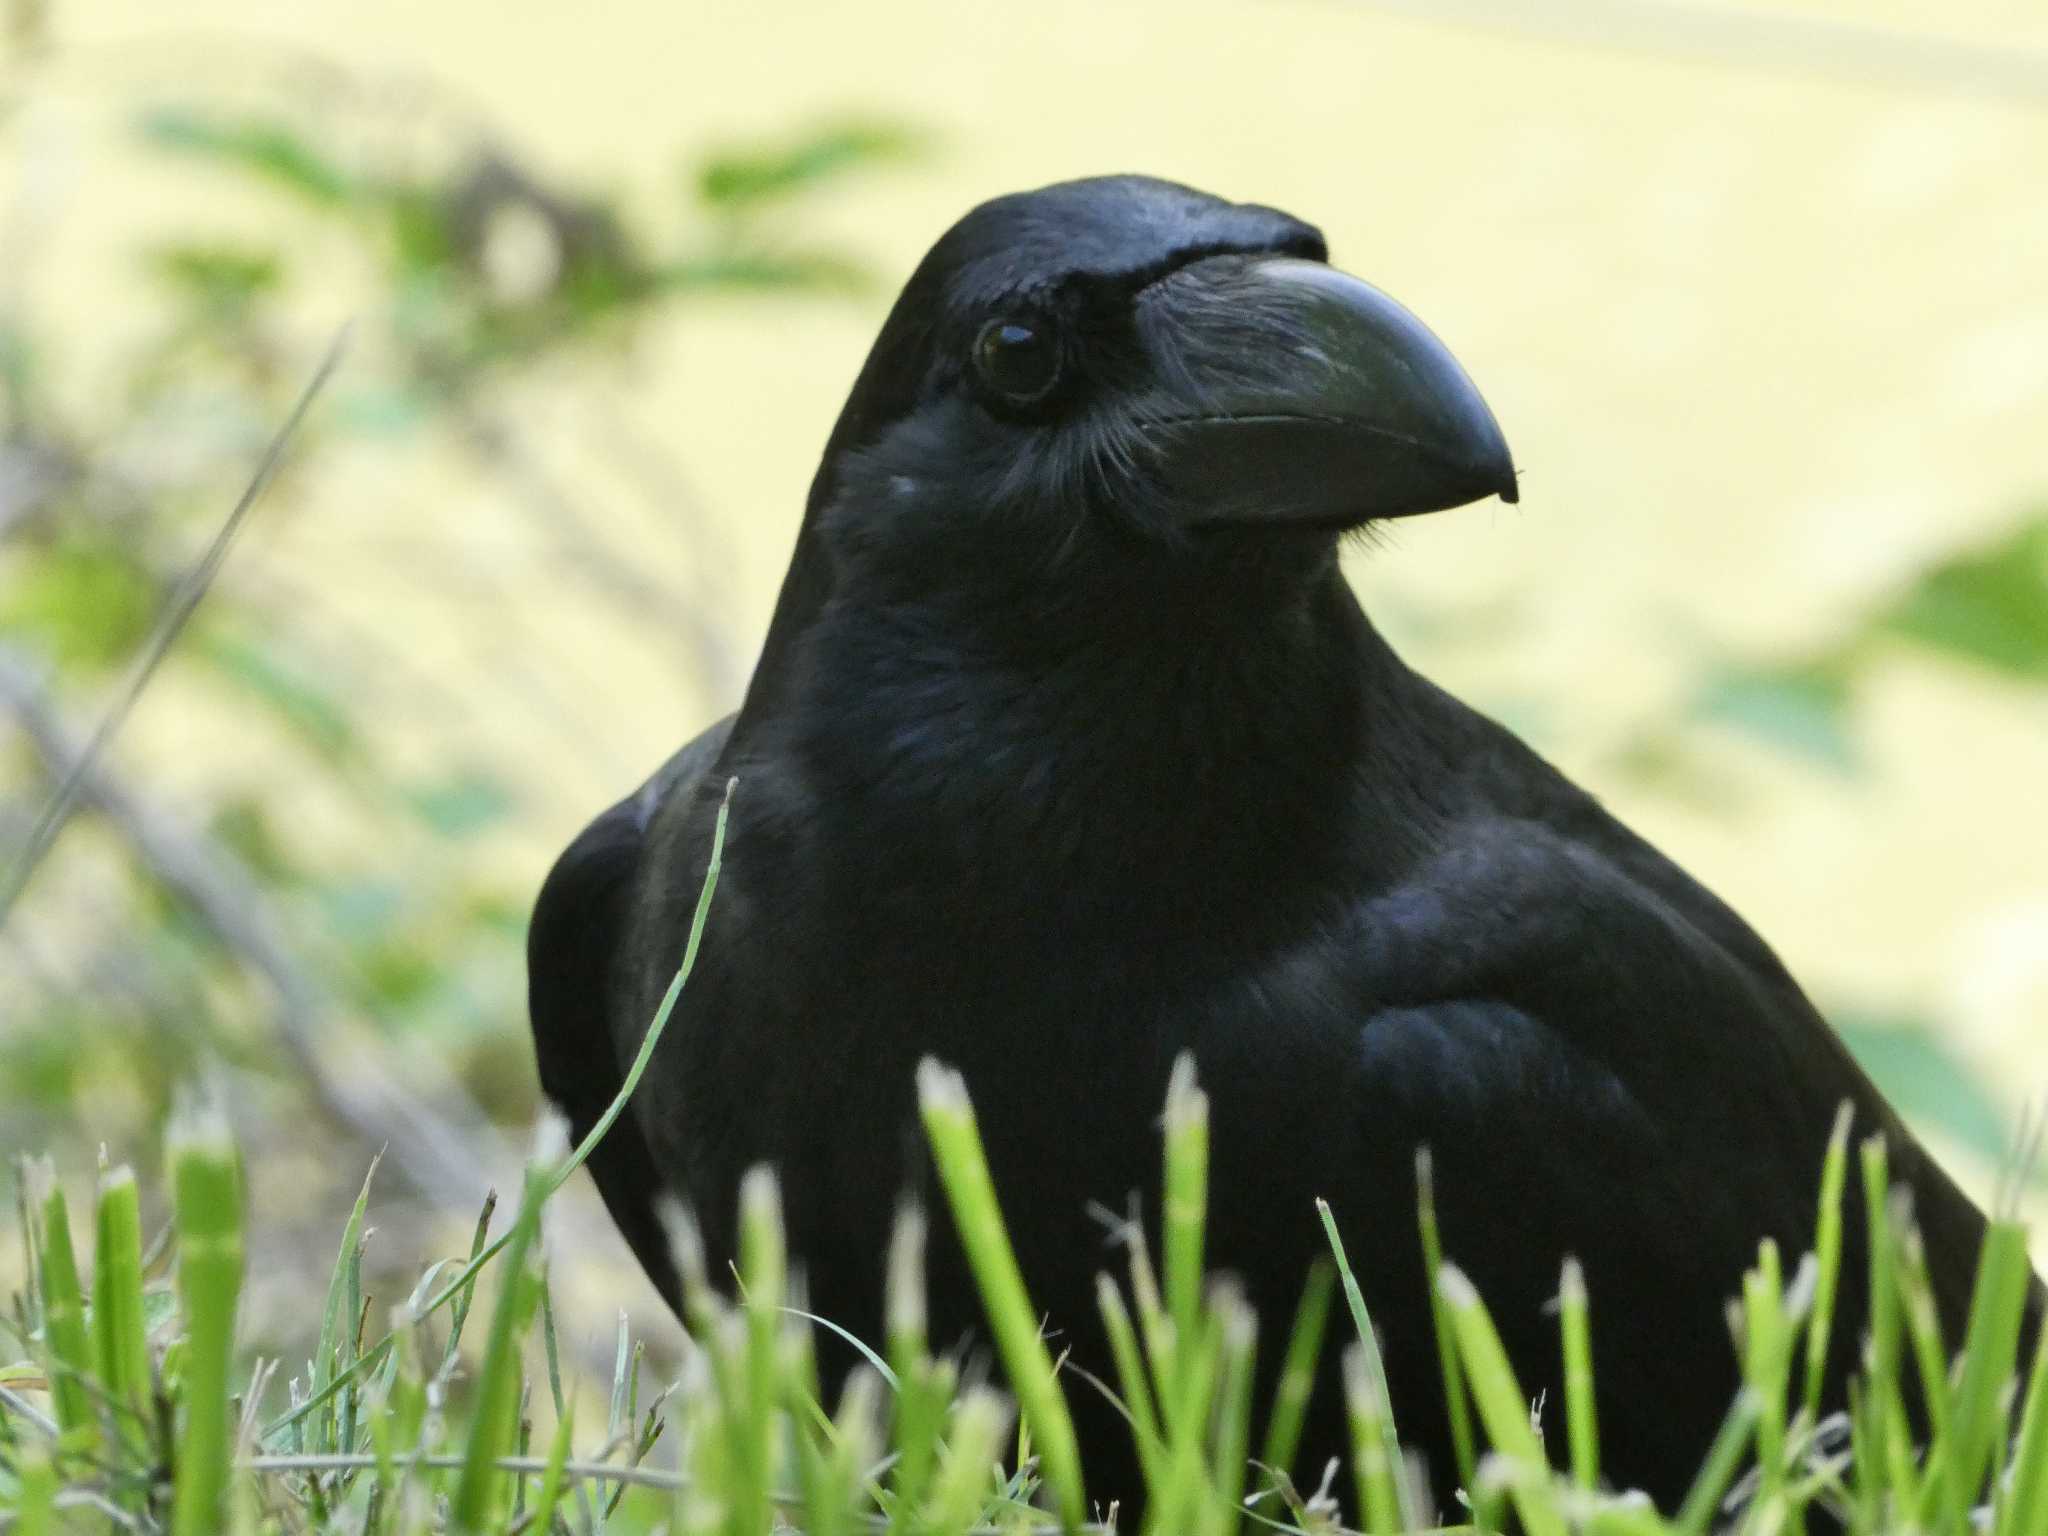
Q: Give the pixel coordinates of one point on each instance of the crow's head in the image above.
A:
(1099, 395)
(1127, 357)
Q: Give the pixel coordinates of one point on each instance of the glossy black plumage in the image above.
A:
(1063, 756)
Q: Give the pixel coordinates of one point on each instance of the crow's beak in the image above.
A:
(1289, 393)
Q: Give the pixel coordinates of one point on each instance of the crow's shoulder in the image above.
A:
(577, 991)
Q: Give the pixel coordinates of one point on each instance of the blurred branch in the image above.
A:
(446, 1161)
(183, 602)
(30, 473)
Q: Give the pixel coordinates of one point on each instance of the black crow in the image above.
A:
(1070, 749)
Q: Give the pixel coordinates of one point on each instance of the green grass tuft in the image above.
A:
(130, 1409)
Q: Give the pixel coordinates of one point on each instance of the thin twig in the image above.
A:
(356, 1461)
(439, 1142)
(184, 600)
(447, 1165)
(84, 1498)
(15, 1403)
(600, 1471)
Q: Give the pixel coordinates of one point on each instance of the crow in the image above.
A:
(1070, 749)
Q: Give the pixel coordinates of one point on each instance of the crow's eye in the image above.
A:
(1018, 361)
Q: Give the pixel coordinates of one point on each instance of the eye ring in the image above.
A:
(1017, 360)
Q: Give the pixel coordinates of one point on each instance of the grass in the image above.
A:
(126, 1406)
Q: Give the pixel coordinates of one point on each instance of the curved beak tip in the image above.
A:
(1389, 425)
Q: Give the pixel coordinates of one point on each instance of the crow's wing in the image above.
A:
(1541, 1152)
(1608, 1065)
(576, 984)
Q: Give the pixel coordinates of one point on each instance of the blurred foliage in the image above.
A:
(1925, 1081)
(489, 264)
(473, 272)
(1983, 608)
(482, 271)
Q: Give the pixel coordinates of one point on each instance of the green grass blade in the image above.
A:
(973, 1440)
(1827, 1253)
(1377, 1477)
(638, 1067)
(922, 1398)
(903, 1293)
(1184, 1205)
(1866, 1483)
(964, 1482)
(1941, 1490)
(336, 1347)
(920, 1408)
(1881, 1375)
(1239, 1332)
(33, 1507)
(464, 1298)
(963, 1170)
(1375, 1367)
(1130, 1370)
(1298, 1370)
(1186, 1498)
(1582, 1424)
(207, 1212)
(835, 1475)
(1997, 1308)
(120, 1337)
(65, 1345)
(2025, 1512)
(1766, 1356)
(1457, 1403)
(1611, 1517)
(763, 1278)
(549, 1497)
(1503, 1408)
(494, 1425)
(1717, 1473)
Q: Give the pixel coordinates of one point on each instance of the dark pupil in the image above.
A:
(1017, 360)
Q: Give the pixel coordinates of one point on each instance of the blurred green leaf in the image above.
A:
(263, 147)
(589, 291)
(306, 706)
(741, 178)
(423, 243)
(1663, 760)
(243, 826)
(19, 369)
(218, 276)
(41, 1059)
(159, 1307)
(462, 804)
(381, 410)
(498, 912)
(84, 598)
(359, 911)
(1988, 606)
(1799, 707)
(1917, 1071)
(394, 929)
(398, 971)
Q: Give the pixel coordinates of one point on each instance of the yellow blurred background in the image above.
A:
(1760, 296)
